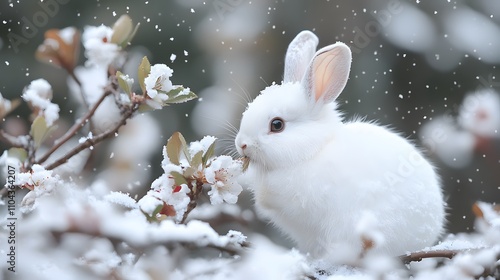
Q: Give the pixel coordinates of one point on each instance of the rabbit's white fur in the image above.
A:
(317, 178)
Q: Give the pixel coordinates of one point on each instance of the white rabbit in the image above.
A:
(315, 176)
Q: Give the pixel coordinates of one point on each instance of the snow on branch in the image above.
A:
(72, 224)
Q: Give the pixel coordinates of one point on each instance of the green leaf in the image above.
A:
(210, 152)
(39, 130)
(123, 83)
(144, 107)
(132, 35)
(153, 218)
(19, 153)
(122, 29)
(197, 160)
(177, 95)
(143, 72)
(185, 148)
(189, 172)
(157, 210)
(179, 179)
(174, 146)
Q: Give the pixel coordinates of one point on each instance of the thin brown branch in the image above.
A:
(96, 139)
(193, 197)
(418, 256)
(75, 128)
(82, 93)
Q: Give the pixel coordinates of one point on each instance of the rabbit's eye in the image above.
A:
(277, 125)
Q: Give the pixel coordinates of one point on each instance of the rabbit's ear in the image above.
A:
(298, 56)
(327, 74)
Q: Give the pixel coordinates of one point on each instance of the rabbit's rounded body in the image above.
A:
(315, 176)
(320, 201)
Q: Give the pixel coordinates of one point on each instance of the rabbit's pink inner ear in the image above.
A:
(331, 69)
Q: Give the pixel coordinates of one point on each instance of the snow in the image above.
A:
(202, 145)
(67, 34)
(93, 79)
(39, 93)
(98, 47)
(121, 199)
(113, 236)
(149, 203)
(40, 181)
(158, 81)
(84, 139)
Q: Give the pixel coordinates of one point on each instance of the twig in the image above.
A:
(75, 128)
(75, 78)
(193, 197)
(418, 256)
(96, 139)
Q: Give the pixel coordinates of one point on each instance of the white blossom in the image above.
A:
(98, 47)
(39, 94)
(158, 83)
(480, 113)
(41, 182)
(221, 175)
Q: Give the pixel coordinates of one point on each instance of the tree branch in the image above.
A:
(77, 81)
(193, 197)
(229, 249)
(75, 128)
(418, 256)
(96, 139)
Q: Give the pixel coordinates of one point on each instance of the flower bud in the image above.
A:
(61, 48)
(123, 31)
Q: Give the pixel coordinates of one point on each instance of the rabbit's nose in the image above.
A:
(244, 146)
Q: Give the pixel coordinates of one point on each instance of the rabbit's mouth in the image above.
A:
(246, 162)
